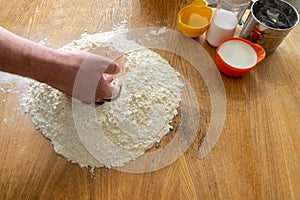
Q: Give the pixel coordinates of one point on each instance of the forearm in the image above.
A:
(26, 58)
(23, 57)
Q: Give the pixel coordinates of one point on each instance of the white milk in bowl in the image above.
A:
(238, 54)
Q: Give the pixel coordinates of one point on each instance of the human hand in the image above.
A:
(78, 74)
(90, 77)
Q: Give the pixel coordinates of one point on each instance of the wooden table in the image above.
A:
(257, 155)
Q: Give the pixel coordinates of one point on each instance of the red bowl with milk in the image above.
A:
(237, 56)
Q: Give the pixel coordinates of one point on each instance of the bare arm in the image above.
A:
(26, 58)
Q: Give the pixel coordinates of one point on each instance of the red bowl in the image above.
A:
(234, 71)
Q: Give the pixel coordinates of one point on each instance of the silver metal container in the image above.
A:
(269, 23)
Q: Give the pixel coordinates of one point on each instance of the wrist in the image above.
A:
(58, 69)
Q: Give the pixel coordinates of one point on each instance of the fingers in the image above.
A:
(116, 65)
(112, 68)
(106, 90)
(93, 68)
(108, 78)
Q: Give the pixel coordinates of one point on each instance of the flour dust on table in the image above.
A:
(134, 122)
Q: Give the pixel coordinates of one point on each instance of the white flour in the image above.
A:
(140, 117)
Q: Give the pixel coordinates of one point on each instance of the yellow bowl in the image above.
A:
(193, 20)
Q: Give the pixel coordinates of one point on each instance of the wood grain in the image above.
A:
(256, 157)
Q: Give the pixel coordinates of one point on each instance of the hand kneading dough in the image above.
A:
(140, 117)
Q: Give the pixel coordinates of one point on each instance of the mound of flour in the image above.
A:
(140, 117)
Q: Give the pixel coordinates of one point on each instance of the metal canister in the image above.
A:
(269, 22)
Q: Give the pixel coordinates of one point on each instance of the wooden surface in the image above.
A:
(257, 155)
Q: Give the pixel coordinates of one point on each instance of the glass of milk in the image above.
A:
(222, 26)
(229, 13)
(238, 7)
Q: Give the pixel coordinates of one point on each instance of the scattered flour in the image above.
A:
(44, 42)
(158, 32)
(140, 117)
(121, 25)
(7, 80)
